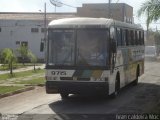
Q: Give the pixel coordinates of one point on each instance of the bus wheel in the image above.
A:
(117, 87)
(64, 95)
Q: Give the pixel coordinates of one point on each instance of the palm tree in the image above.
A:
(151, 9)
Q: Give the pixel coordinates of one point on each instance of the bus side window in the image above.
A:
(127, 37)
(140, 38)
(123, 37)
(119, 37)
(143, 37)
(136, 38)
(132, 42)
(112, 38)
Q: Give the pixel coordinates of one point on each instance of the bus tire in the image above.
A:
(64, 95)
(135, 82)
(117, 86)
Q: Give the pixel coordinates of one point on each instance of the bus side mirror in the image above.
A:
(42, 46)
(114, 47)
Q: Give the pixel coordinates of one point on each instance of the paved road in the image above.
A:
(142, 98)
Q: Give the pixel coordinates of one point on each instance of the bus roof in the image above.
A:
(86, 21)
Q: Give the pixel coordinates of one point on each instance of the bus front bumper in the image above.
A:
(77, 87)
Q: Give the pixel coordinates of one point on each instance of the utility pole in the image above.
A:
(109, 8)
(45, 23)
(147, 25)
(45, 31)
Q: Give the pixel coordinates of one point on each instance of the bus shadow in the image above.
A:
(131, 99)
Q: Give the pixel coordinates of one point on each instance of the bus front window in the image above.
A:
(61, 47)
(91, 47)
(88, 47)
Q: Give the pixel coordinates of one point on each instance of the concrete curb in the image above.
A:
(17, 92)
(39, 85)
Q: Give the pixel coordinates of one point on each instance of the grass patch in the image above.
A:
(35, 81)
(17, 65)
(9, 89)
(20, 74)
(4, 67)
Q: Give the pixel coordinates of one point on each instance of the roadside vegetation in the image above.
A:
(5, 67)
(34, 81)
(8, 57)
(9, 89)
(19, 58)
(21, 80)
(21, 74)
(11, 60)
(151, 10)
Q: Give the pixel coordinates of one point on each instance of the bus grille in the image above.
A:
(78, 78)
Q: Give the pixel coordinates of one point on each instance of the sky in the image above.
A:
(38, 5)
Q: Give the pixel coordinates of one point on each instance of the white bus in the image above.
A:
(93, 55)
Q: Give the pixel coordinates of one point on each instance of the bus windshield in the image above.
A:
(61, 47)
(91, 47)
(85, 47)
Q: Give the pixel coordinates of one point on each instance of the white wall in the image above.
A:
(20, 30)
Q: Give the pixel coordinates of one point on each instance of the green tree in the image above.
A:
(8, 57)
(151, 8)
(23, 51)
(33, 58)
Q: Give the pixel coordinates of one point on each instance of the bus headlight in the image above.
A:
(104, 79)
(92, 79)
(101, 79)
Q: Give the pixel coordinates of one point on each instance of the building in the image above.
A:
(25, 28)
(118, 11)
(28, 28)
